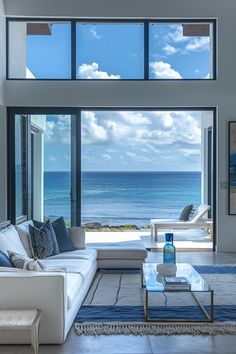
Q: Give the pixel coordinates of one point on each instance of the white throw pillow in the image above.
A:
(77, 235)
(23, 231)
(10, 240)
(26, 263)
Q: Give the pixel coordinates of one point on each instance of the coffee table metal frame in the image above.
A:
(209, 316)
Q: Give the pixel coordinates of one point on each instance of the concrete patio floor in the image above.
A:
(183, 240)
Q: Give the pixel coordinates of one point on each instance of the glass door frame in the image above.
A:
(75, 193)
(75, 113)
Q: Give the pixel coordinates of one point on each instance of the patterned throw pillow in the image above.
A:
(64, 241)
(43, 241)
(22, 262)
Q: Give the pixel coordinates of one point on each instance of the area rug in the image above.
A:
(114, 305)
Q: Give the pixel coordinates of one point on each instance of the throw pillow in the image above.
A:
(184, 215)
(5, 261)
(23, 231)
(77, 235)
(23, 262)
(43, 241)
(65, 244)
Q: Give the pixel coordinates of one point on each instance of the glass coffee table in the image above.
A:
(152, 283)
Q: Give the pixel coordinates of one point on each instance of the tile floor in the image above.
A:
(223, 344)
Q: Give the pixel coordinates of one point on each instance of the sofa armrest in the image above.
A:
(37, 290)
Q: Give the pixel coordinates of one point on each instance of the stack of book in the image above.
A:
(176, 283)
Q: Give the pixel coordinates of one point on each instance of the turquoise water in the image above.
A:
(117, 198)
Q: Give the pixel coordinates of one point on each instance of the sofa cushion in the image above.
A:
(73, 286)
(5, 261)
(77, 266)
(77, 235)
(88, 254)
(23, 231)
(119, 250)
(43, 241)
(63, 240)
(10, 240)
(26, 263)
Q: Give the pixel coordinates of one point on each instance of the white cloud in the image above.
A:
(91, 71)
(94, 33)
(158, 137)
(198, 44)
(176, 34)
(167, 121)
(58, 130)
(163, 70)
(207, 76)
(190, 152)
(169, 49)
(52, 159)
(106, 157)
(91, 131)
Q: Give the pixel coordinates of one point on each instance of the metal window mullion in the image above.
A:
(73, 49)
(146, 50)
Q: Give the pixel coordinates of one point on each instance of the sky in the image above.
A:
(127, 141)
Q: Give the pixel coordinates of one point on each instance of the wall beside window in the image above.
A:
(3, 154)
(3, 166)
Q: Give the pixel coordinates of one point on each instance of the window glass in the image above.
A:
(39, 50)
(180, 51)
(109, 51)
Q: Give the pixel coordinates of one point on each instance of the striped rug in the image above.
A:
(114, 305)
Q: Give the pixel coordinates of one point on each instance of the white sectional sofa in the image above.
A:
(60, 291)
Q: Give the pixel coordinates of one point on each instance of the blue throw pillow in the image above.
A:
(5, 261)
(43, 241)
(64, 241)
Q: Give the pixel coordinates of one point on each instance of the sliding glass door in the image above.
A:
(43, 148)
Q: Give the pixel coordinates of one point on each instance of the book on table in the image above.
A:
(176, 283)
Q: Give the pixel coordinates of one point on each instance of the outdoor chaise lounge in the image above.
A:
(197, 222)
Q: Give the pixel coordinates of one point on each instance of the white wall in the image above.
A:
(17, 50)
(2, 51)
(220, 93)
(3, 155)
(206, 122)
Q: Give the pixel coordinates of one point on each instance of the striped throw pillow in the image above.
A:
(22, 262)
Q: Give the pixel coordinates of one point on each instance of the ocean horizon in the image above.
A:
(119, 197)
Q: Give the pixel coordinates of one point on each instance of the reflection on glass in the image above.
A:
(57, 167)
(39, 50)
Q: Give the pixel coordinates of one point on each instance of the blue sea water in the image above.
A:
(118, 198)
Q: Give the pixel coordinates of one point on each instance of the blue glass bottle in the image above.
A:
(169, 250)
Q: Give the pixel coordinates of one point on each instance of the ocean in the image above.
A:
(118, 198)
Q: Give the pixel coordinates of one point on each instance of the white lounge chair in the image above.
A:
(197, 222)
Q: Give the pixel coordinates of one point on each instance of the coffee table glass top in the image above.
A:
(153, 278)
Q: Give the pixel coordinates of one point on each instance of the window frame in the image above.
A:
(26, 202)
(146, 23)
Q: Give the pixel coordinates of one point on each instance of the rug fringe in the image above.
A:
(137, 328)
